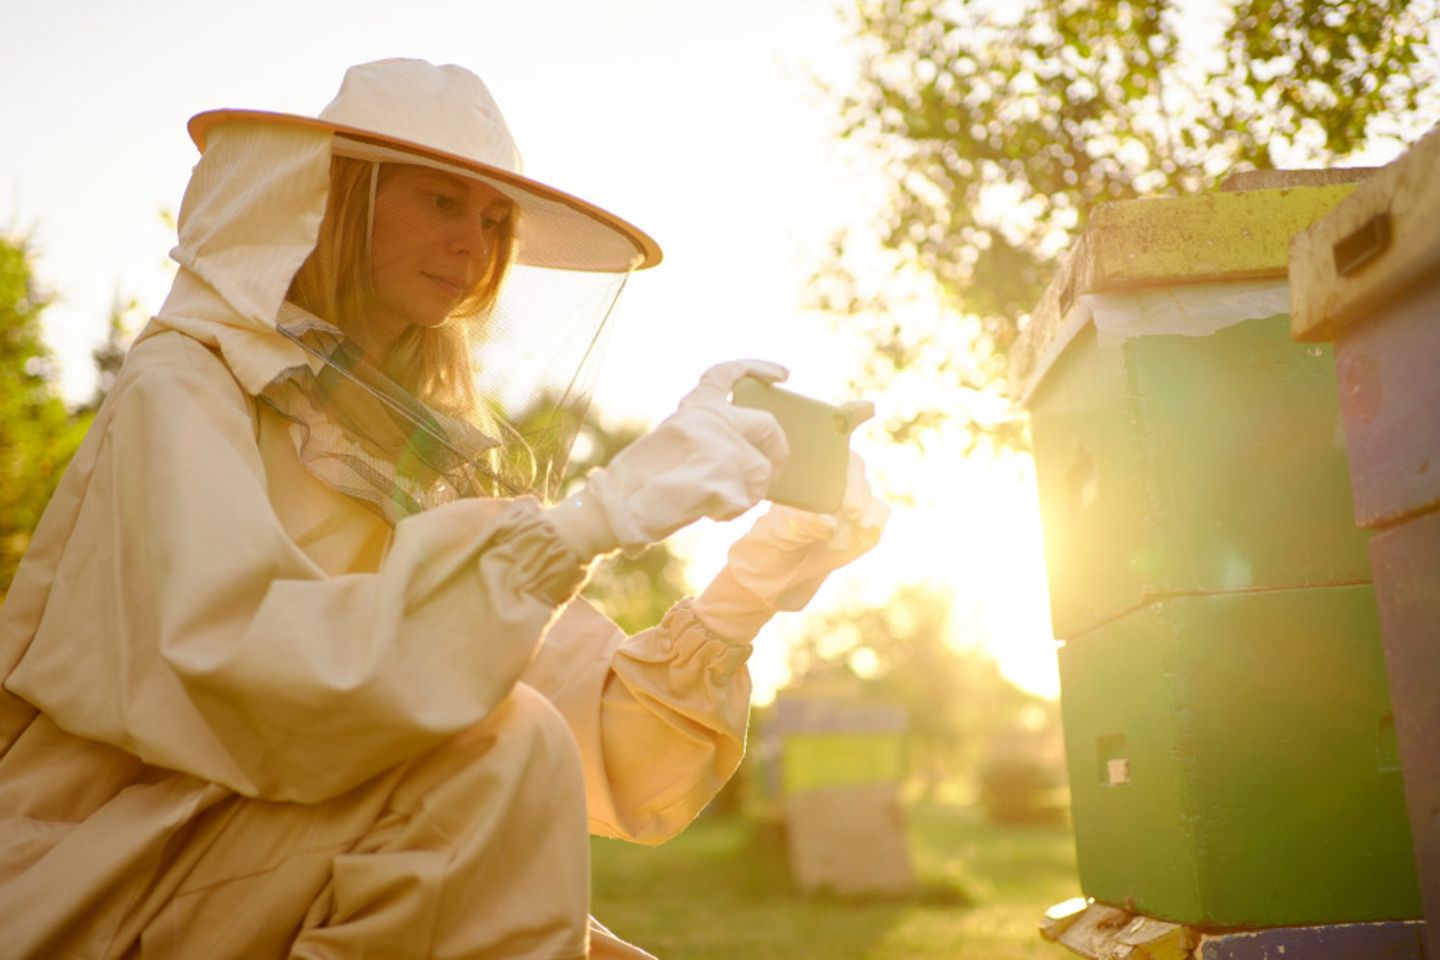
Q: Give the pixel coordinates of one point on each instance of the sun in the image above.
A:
(973, 532)
(979, 538)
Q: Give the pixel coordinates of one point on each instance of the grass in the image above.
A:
(720, 890)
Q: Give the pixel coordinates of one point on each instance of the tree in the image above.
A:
(1000, 126)
(110, 355)
(957, 701)
(633, 591)
(38, 435)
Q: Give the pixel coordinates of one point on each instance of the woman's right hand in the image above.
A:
(709, 458)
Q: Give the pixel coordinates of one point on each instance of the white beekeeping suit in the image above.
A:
(294, 663)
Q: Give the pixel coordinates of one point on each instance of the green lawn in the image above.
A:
(719, 890)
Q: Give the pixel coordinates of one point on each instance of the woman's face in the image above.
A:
(432, 241)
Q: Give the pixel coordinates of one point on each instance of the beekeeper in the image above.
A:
(294, 664)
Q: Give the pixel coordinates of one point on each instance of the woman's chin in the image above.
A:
(429, 319)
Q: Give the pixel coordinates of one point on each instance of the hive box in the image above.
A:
(1232, 762)
(843, 760)
(1368, 277)
(1184, 444)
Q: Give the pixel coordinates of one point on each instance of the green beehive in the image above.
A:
(1233, 762)
(1228, 731)
(1184, 443)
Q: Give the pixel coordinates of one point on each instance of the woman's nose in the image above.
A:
(470, 235)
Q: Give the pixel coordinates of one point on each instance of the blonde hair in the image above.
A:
(433, 363)
(335, 284)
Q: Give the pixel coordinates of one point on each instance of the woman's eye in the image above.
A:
(444, 202)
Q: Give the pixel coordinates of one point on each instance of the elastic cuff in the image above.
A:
(730, 611)
(544, 563)
(581, 525)
(692, 638)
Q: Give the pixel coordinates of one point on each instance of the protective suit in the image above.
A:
(245, 714)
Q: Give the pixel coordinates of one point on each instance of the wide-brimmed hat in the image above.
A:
(411, 111)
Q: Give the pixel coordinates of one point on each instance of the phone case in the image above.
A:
(819, 438)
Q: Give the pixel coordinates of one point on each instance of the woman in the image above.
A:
(292, 665)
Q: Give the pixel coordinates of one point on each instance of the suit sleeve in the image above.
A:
(184, 626)
(659, 716)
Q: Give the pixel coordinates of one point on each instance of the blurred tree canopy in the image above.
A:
(633, 591)
(1000, 125)
(38, 434)
(109, 356)
(960, 708)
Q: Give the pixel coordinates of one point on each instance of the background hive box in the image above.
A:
(848, 840)
(1232, 762)
(1368, 276)
(842, 761)
(828, 741)
(1407, 584)
(1175, 464)
(1389, 382)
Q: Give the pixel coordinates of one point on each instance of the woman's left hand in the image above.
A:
(785, 557)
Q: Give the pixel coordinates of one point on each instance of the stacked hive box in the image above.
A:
(842, 761)
(1227, 721)
(1368, 277)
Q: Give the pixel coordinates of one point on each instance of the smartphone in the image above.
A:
(819, 437)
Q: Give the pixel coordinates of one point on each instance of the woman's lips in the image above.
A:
(452, 287)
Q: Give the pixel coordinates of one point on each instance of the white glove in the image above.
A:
(709, 458)
(786, 556)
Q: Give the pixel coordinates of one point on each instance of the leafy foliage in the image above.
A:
(633, 591)
(109, 356)
(38, 435)
(1000, 126)
(960, 708)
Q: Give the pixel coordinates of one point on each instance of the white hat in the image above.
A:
(411, 111)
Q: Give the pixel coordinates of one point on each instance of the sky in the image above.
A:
(705, 125)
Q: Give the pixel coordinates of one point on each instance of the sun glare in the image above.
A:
(977, 536)
(972, 532)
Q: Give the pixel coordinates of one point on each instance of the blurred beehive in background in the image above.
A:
(842, 762)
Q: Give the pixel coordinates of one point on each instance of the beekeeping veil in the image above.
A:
(484, 402)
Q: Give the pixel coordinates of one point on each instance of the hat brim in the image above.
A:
(553, 235)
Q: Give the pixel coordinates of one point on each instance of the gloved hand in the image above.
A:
(709, 458)
(782, 561)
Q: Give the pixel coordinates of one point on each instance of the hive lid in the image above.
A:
(1381, 239)
(1133, 244)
